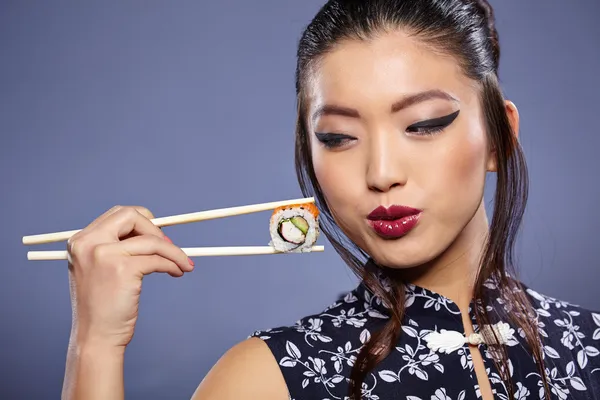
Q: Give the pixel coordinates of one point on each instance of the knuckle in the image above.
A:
(184, 258)
(114, 208)
(144, 211)
(100, 252)
(155, 241)
(78, 246)
(110, 211)
(174, 270)
(128, 212)
(122, 266)
(71, 243)
(151, 242)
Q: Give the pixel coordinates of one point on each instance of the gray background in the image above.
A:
(189, 105)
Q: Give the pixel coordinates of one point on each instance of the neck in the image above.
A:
(453, 273)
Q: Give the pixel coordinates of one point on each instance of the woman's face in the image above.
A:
(393, 123)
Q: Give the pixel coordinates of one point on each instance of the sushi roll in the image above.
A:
(294, 228)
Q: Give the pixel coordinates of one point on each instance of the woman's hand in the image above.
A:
(107, 261)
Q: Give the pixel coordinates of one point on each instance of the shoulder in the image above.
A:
(550, 307)
(347, 316)
(246, 371)
(259, 367)
(316, 354)
(567, 330)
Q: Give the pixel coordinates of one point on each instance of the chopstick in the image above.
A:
(177, 219)
(190, 251)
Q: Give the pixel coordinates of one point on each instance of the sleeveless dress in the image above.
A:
(316, 354)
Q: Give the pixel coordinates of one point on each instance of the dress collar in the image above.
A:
(420, 301)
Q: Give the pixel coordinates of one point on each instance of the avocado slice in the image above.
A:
(300, 223)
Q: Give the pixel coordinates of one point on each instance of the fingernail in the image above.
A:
(168, 240)
(191, 262)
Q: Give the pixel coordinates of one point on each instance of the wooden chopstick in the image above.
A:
(177, 219)
(190, 251)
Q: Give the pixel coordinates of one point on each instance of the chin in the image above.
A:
(397, 261)
(401, 253)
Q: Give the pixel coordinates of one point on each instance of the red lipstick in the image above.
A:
(393, 222)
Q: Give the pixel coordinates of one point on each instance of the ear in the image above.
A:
(513, 118)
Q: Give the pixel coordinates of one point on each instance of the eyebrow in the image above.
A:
(330, 109)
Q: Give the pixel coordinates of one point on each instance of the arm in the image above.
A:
(93, 373)
(248, 371)
(107, 261)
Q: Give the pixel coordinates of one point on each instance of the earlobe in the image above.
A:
(491, 162)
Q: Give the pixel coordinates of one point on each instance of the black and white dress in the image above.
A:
(316, 354)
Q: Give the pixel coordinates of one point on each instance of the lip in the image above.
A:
(392, 212)
(393, 222)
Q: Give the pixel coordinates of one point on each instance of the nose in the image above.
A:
(385, 163)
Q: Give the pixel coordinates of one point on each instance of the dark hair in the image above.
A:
(465, 30)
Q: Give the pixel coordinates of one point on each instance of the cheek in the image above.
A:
(329, 171)
(339, 176)
(458, 176)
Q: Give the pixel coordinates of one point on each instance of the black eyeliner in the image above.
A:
(330, 136)
(332, 140)
(436, 122)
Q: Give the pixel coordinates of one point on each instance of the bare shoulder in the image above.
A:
(247, 371)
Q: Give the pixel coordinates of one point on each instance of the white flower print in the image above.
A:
(433, 300)
(367, 391)
(343, 355)
(558, 385)
(317, 354)
(440, 394)
(572, 336)
(596, 334)
(313, 331)
(315, 367)
(466, 361)
(490, 353)
(496, 380)
(522, 392)
(266, 333)
(349, 317)
(415, 362)
(546, 301)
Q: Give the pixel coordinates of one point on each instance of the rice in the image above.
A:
(295, 228)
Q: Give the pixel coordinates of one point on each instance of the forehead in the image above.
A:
(383, 68)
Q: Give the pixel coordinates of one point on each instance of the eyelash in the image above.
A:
(426, 131)
(333, 140)
(425, 128)
(432, 126)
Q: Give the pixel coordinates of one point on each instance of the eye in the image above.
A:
(333, 140)
(432, 126)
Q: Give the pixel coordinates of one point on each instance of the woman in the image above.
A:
(400, 118)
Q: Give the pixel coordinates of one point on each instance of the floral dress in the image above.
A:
(316, 354)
